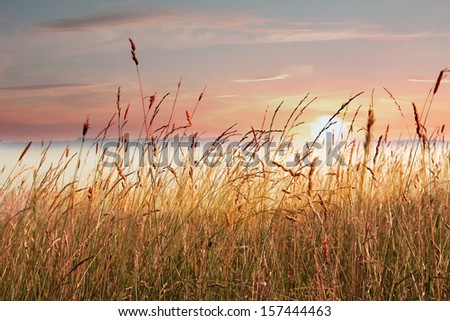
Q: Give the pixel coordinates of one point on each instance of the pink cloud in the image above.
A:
(262, 78)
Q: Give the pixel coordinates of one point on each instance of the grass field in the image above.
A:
(374, 226)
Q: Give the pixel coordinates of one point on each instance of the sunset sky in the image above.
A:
(62, 61)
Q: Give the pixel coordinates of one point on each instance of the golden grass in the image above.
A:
(230, 232)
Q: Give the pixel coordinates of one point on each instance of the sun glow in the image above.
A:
(322, 125)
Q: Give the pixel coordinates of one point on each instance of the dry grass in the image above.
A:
(230, 232)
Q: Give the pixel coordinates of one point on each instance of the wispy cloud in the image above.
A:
(225, 96)
(158, 17)
(316, 35)
(352, 24)
(101, 20)
(183, 27)
(44, 87)
(262, 78)
(427, 80)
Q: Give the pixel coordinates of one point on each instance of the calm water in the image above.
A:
(38, 156)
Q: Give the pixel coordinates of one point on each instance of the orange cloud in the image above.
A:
(428, 80)
(225, 96)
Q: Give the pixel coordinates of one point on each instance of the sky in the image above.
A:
(62, 62)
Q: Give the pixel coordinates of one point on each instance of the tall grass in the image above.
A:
(376, 228)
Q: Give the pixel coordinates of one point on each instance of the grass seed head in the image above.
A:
(133, 45)
(25, 151)
(188, 118)
(86, 127)
(439, 79)
(420, 129)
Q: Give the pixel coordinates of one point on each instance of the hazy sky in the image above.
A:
(62, 61)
